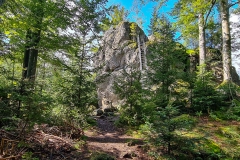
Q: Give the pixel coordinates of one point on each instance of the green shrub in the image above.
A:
(91, 121)
(230, 113)
(161, 132)
(229, 90)
(205, 96)
(28, 156)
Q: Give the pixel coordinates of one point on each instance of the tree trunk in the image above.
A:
(31, 51)
(26, 56)
(226, 40)
(30, 55)
(202, 42)
(32, 41)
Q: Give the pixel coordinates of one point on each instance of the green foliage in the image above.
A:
(210, 147)
(232, 112)
(78, 145)
(28, 156)
(28, 107)
(213, 33)
(229, 90)
(129, 87)
(133, 28)
(153, 21)
(35, 108)
(214, 116)
(212, 139)
(63, 86)
(91, 121)
(167, 63)
(205, 97)
(191, 52)
(63, 115)
(162, 127)
(187, 23)
(118, 14)
(235, 109)
(229, 132)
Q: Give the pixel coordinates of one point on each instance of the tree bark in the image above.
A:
(32, 41)
(30, 55)
(26, 56)
(226, 40)
(202, 41)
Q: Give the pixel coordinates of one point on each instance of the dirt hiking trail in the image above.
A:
(107, 138)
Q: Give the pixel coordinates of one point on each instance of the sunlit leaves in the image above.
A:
(186, 12)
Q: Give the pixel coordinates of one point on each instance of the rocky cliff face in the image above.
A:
(122, 47)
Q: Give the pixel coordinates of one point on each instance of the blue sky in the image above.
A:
(144, 13)
(141, 12)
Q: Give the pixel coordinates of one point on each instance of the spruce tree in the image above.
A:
(166, 60)
(129, 88)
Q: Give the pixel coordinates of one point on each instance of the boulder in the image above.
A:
(120, 50)
(108, 114)
(97, 112)
(110, 109)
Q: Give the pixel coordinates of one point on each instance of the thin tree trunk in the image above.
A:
(43, 76)
(32, 41)
(202, 41)
(26, 55)
(30, 55)
(81, 61)
(226, 40)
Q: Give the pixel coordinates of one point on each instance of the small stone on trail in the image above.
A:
(109, 109)
(102, 117)
(97, 112)
(127, 155)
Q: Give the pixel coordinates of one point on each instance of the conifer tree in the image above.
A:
(129, 88)
(166, 59)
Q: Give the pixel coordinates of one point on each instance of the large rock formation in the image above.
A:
(214, 63)
(122, 47)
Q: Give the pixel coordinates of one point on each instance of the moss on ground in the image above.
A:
(219, 139)
(209, 139)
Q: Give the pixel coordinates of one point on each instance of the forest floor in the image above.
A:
(105, 141)
(107, 138)
(45, 142)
